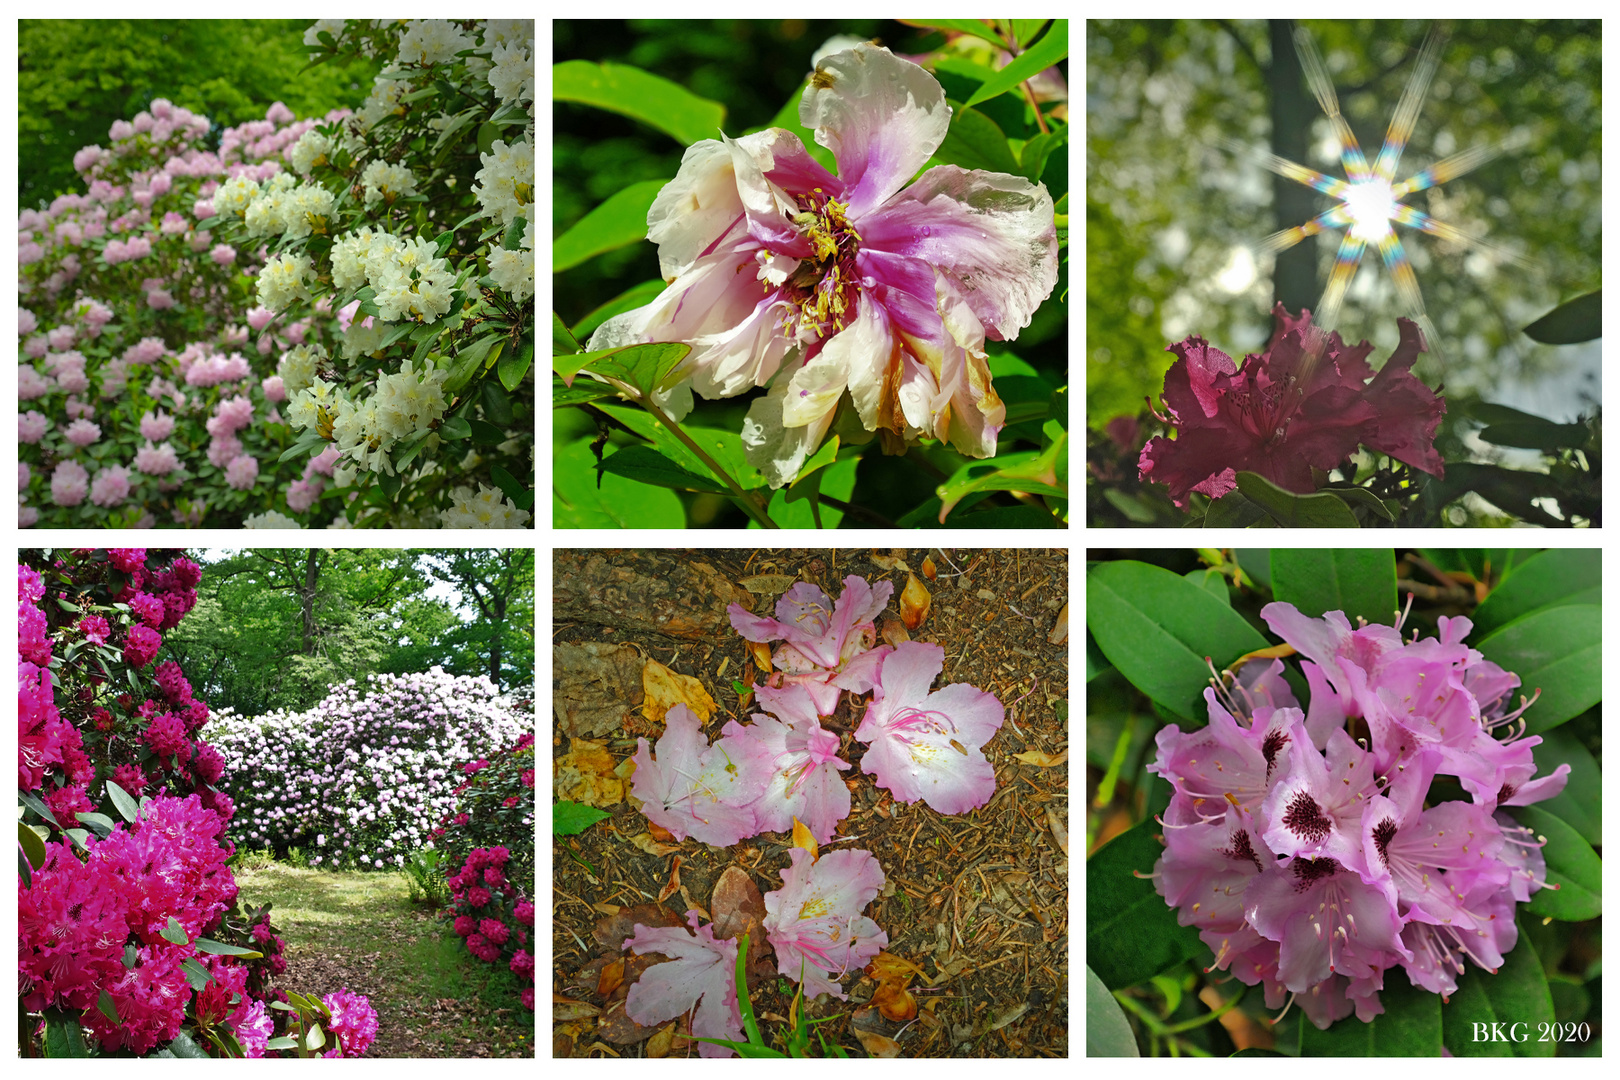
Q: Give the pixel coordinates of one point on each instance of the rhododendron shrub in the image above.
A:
(492, 915)
(328, 322)
(366, 775)
(129, 921)
(494, 805)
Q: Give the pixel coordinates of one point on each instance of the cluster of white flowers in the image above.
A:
(432, 41)
(486, 510)
(231, 198)
(385, 182)
(514, 270)
(512, 74)
(310, 150)
(270, 519)
(506, 182)
(386, 98)
(406, 404)
(408, 276)
(284, 280)
(299, 365)
(285, 206)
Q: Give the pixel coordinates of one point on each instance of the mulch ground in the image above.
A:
(977, 902)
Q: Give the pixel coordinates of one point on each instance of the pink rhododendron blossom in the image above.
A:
(95, 629)
(354, 1021)
(253, 1027)
(70, 483)
(156, 426)
(804, 758)
(701, 972)
(814, 920)
(110, 487)
(32, 425)
(242, 472)
(819, 285)
(927, 745)
(827, 646)
(141, 645)
(693, 789)
(1262, 418)
(159, 460)
(1313, 863)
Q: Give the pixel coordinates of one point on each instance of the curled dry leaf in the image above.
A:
(658, 1046)
(564, 1009)
(739, 909)
(761, 654)
(804, 838)
(914, 602)
(930, 571)
(894, 560)
(664, 689)
(768, 584)
(1060, 629)
(893, 996)
(1060, 831)
(587, 775)
(1043, 760)
(875, 1043)
(647, 843)
(892, 630)
(612, 977)
(674, 880)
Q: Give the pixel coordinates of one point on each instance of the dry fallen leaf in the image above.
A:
(658, 1045)
(768, 584)
(612, 977)
(665, 689)
(586, 774)
(1060, 831)
(761, 653)
(1060, 629)
(895, 560)
(892, 630)
(804, 838)
(646, 843)
(674, 880)
(564, 1009)
(595, 686)
(878, 1046)
(611, 932)
(914, 602)
(1043, 760)
(929, 569)
(892, 996)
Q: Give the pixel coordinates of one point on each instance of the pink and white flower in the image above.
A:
(804, 784)
(693, 789)
(814, 920)
(827, 646)
(701, 972)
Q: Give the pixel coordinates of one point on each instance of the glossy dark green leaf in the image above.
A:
(1322, 510)
(497, 406)
(1580, 319)
(514, 365)
(583, 390)
(1052, 47)
(1357, 581)
(577, 502)
(1558, 650)
(64, 1034)
(962, 26)
(107, 1006)
(1211, 582)
(1108, 1032)
(1537, 434)
(974, 141)
(1158, 628)
(1410, 1026)
(31, 844)
(644, 366)
(1572, 865)
(100, 824)
(454, 427)
(1131, 934)
(1096, 664)
(1231, 511)
(1256, 563)
(1510, 1003)
(620, 220)
(196, 974)
(1580, 804)
(174, 932)
(1032, 159)
(1551, 578)
(640, 95)
(220, 948)
(1007, 517)
(562, 342)
(648, 466)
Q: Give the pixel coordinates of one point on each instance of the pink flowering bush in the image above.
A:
(177, 315)
(491, 914)
(367, 774)
(129, 922)
(494, 806)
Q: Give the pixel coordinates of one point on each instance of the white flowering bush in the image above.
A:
(364, 777)
(336, 315)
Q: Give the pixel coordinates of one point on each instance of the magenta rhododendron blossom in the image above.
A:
(814, 920)
(927, 745)
(782, 274)
(1280, 416)
(697, 790)
(804, 760)
(1312, 862)
(826, 646)
(700, 971)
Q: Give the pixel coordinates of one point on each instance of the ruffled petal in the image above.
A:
(881, 116)
(771, 446)
(698, 210)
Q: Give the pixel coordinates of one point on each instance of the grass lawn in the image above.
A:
(360, 930)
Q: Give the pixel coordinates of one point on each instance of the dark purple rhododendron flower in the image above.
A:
(1279, 417)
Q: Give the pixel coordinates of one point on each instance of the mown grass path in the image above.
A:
(360, 930)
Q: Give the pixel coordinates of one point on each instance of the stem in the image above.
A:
(1029, 96)
(749, 503)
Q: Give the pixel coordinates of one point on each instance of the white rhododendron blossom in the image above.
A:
(488, 508)
(506, 182)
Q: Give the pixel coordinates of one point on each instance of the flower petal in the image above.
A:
(772, 447)
(881, 116)
(992, 235)
(701, 971)
(698, 210)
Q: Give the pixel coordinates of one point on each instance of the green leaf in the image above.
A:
(1557, 650)
(1537, 434)
(1157, 628)
(644, 464)
(584, 390)
(1231, 511)
(1024, 30)
(643, 367)
(390, 484)
(632, 298)
(64, 1035)
(837, 481)
(315, 1039)
(621, 220)
(510, 486)
(1553, 578)
(640, 95)
(486, 434)
(974, 141)
(1007, 517)
(562, 342)
(220, 948)
(196, 974)
(1581, 319)
(32, 844)
(1322, 510)
(408, 451)
(174, 932)
(1410, 1026)
(571, 818)
(282, 1042)
(454, 427)
(108, 1007)
(1580, 804)
(306, 445)
(514, 365)
(100, 824)
(1357, 581)
(497, 406)
(1026, 470)
(578, 503)
(1131, 934)
(1572, 865)
(1516, 998)
(1032, 161)
(1211, 581)
(1108, 1033)
(961, 26)
(1045, 53)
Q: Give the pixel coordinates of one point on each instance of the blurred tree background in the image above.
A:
(1174, 218)
(274, 628)
(76, 76)
(757, 69)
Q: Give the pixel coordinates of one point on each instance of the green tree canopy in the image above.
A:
(75, 77)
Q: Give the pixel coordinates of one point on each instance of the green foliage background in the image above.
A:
(75, 77)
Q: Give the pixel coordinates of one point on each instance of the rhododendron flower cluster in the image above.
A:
(492, 915)
(364, 776)
(1313, 862)
(826, 646)
(188, 268)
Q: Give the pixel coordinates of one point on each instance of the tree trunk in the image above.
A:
(1293, 281)
(312, 578)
